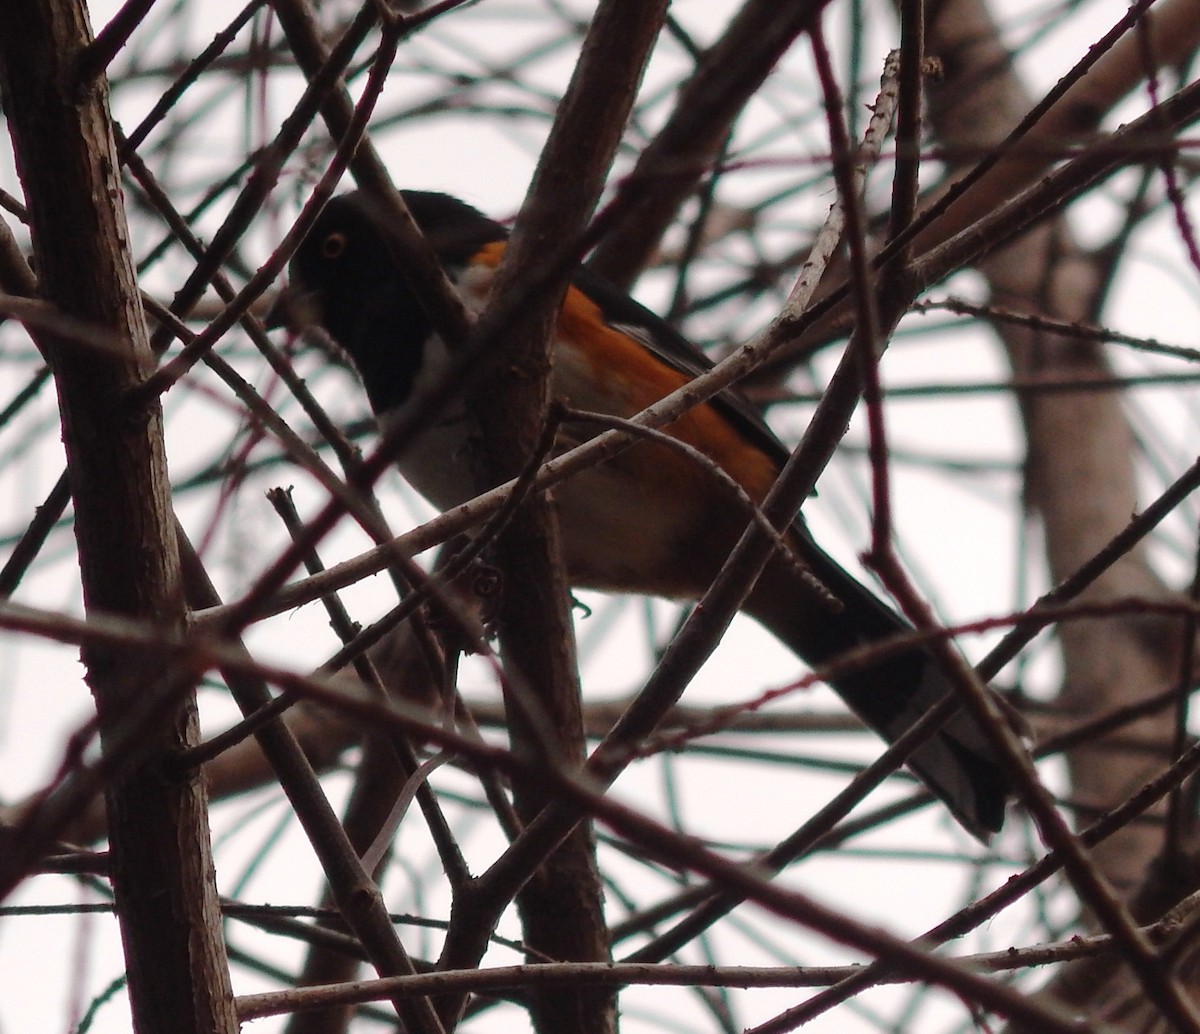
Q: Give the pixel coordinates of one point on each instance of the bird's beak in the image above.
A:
(294, 308)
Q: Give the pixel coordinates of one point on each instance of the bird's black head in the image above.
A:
(347, 277)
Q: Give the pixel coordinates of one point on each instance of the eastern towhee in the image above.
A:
(651, 520)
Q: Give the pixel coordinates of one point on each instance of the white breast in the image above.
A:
(436, 462)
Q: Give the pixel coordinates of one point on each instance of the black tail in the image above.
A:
(957, 764)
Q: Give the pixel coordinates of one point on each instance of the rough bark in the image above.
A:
(161, 862)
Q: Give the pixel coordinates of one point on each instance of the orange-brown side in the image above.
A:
(624, 371)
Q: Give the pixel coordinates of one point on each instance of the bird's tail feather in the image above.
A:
(957, 763)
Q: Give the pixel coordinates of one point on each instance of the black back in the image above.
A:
(367, 307)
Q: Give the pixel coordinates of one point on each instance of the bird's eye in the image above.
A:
(333, 245)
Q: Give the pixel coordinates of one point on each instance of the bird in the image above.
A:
(651, 520)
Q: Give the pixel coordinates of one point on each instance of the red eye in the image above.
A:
(333, 245)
